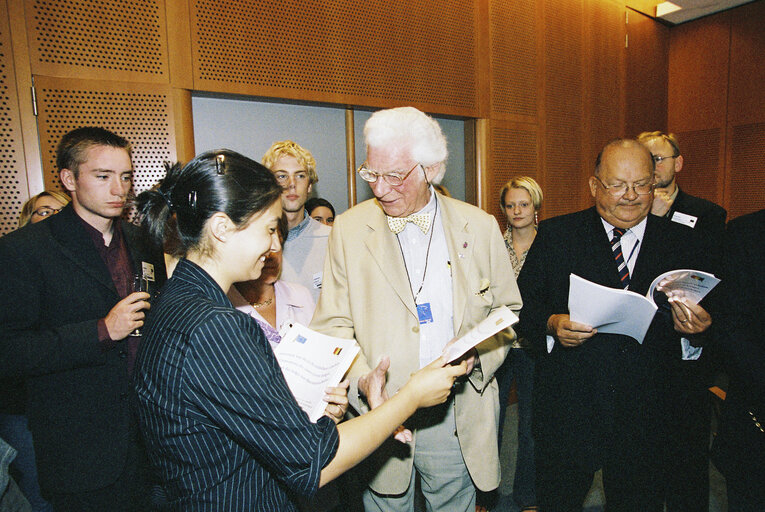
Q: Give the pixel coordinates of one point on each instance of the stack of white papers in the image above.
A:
(617, 311)
(312, 362)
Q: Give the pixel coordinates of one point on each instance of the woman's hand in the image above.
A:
(432, 384)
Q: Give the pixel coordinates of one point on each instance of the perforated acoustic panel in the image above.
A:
(747, 169)
(368, 53)
(703, 169)
(513, 153)
(13, 183)
(605, 75)
(101, 39)
(564, 141)
(514, 62)
(141, 113)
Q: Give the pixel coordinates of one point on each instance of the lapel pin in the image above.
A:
(464, 246)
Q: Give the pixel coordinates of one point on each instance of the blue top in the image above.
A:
(221, 426)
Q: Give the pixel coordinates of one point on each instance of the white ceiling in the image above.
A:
(692, 9)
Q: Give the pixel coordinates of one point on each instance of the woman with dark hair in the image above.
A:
(320, 210)
(220, 423)
(271, 301)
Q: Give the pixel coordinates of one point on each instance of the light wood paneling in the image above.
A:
(515, 64)
(142, 113)
(514, 152)
(13, 179)
(746, 101)
(98, 39)
(604, 106)
(564, 183)
(703, 157)
(647, 62)
(746, 169)
(373, 53)
(698, 78)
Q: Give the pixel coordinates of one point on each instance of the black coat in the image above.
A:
(739, 448)
(55, 289)
(607, 394)
(710, 216)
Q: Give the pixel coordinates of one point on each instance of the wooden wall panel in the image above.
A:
(703, 163)
(605, 76)
(746, 100)
(142, 113)
(99, 39)
(564, 140)
(746, 168)
(513, 152)
(515, 64)
(373, 53)
(13, 181)
(698, 80)
(647, 75)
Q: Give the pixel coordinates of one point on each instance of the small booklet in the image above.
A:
(617, 311)
(312, 362)
(500, 318)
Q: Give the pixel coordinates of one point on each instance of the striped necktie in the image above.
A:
(616, 247)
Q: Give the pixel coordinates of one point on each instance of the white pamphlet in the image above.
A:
(500, 318)
(691, 284)
(312, 362)
(617, 311)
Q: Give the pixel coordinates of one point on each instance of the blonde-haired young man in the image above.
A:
(306, 243)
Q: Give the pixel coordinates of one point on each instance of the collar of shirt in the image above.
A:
(295, 232)
(98, 237)
(631, 240)
(192, 273)
(428, 208)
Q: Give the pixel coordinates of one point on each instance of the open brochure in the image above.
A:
(500, 318)
(312, 362)
(617, 311)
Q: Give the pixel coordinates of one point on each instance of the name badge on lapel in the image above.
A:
(147, 271)
(424, 314)
(684, 219)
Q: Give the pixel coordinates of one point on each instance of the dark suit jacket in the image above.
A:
(739, 448)
(607, 392)
(710, 216)
(56, 287)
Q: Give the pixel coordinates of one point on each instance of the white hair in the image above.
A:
(407, 125)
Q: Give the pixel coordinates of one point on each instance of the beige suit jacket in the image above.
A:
(366, 294)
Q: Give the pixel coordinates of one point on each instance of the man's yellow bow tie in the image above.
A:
(421, 220)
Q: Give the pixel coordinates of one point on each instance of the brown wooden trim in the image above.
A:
(183, 122)
(23, 78)
(179, 43)
(350, 156)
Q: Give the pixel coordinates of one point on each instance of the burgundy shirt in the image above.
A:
(117, 260)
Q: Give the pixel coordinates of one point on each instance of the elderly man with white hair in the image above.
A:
(405, 273)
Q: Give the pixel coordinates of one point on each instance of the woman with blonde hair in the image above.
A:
(42, 206)
(521, 199)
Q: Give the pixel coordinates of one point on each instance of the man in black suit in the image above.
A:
(739, 447)
(599, 398)
(67, 312)
(687, 456)
(669, 200)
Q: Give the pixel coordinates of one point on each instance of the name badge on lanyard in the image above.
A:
(424, 314)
